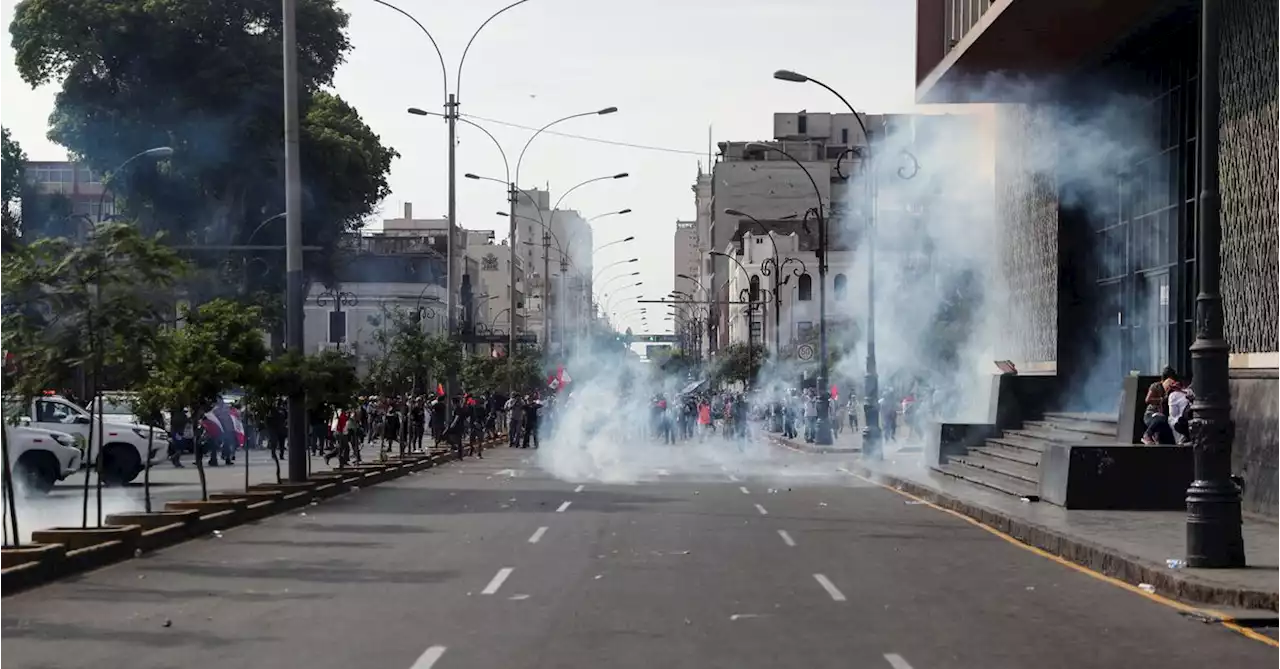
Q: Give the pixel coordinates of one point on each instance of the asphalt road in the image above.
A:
(496, 564)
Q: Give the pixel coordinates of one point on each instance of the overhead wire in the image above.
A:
(629, 145)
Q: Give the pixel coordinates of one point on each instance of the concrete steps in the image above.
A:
(1010, 463)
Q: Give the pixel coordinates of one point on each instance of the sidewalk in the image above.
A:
(1132, 546)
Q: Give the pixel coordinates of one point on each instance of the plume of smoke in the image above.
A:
(64, 507)
(952, 265)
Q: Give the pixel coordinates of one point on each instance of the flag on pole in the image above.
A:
(440, 389)
(835, 393)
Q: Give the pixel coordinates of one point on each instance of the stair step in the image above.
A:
(1055, 425)
(1018, 470)
(1015, 442)
(989, 479)
(996, 448)
(1058, 436)
(1085, 417)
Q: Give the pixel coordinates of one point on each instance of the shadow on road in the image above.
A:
(167, 638)
(328, 572)
(111, 593)
(444, 501)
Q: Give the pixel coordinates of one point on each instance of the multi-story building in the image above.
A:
(686, 268)
(771, 189)
(69, 189)
(556, 248)
(493, 292)
(1098, 190)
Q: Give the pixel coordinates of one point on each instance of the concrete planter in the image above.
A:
(155, 519)
(208, 507)
(251, 497)
(27, 553)
(76, 538)
(159, 528)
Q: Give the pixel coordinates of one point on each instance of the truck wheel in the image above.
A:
(37, 471)
(121, 464)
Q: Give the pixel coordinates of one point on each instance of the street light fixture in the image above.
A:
(871, 390)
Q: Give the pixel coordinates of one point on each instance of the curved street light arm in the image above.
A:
(520, 159)
(457, 86)
(444, 71)
(615, 278)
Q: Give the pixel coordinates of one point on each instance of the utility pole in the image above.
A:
(451, 281)
(297, 420)
(512, 195)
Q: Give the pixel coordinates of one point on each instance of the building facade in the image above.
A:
(1102, 261)
(555, 247)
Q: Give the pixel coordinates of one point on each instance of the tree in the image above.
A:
(14, 161)
(483, 374)
(220, 346)
(205, 80)
(411, 359)
(739, 363)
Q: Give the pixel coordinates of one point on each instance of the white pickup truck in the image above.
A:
(41, 458)
(123, 445)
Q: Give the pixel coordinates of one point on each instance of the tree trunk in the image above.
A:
(199, 449)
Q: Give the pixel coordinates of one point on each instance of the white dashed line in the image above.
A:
(786, 538)
(896, 661)
(563, 506)
(429, 658)
(537, 535)
(733, 479)
(762, 510)
(744, 490)
(579, 488)
(829, 587)
(498, 580)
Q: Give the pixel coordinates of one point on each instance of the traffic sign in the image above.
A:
(805, 352)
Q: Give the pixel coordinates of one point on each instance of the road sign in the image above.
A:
(805, 352)
(653, 339)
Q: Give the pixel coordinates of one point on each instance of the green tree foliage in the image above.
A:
(205, 79)
(13, 170)
(219, 347)
(66, 302)
(482, 373)
(410, 360)
(739, 363)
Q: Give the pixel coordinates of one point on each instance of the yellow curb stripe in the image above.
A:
(1221, 618)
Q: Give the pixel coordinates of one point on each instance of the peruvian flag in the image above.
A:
(238, 425)
(440, 389)
(835, 393)
(560, 379)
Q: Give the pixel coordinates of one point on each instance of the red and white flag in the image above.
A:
(560, 379)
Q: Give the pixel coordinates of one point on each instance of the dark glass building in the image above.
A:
(1097, 190)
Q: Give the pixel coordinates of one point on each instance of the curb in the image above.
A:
(1096, 557)
(69, 551)
(1093, 556)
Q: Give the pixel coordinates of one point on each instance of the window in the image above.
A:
(804, 290)
(755, 288)
(841, 286)
(802, 124)
(804, 330)
(844, 136)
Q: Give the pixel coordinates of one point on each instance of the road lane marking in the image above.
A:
(786, 538)
(563, 506)
(733, 479)
(498, 580)
(429, 658)
(744, 490)
(829, 587)
(1222, 618)
(663, 472)
(579, 488)
(762, 510)
(537, 535)
(895, 660)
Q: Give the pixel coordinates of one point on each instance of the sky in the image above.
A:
(679, 73)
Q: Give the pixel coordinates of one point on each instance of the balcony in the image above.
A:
(961, 44)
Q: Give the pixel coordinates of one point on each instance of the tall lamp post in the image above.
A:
(822, 434)
(747, 295)
(452, 101)
(1214, 536)
(772, 267)
(871, 389)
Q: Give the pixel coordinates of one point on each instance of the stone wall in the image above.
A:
(1247, 164)
(1255, 395)
(1027, 212)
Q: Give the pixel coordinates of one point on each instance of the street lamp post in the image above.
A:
(745, 295)
(870, 390)
(772, 267)
(1214, 537)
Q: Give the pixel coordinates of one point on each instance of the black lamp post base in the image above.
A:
(1214, 538)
